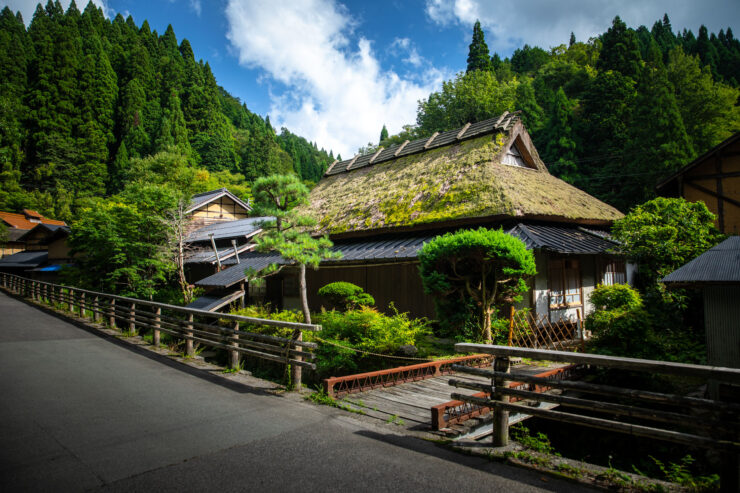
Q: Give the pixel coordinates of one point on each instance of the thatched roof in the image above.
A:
(456, 175)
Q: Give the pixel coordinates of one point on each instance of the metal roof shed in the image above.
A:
(717, 273)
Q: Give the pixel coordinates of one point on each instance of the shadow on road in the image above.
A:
(478, 462)
(204, 374)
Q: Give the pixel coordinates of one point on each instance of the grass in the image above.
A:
(395, 420)
(320, 397)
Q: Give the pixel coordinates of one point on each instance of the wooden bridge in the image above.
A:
(417, 397)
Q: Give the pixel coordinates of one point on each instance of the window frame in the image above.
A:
(560, 273)
(606, 263)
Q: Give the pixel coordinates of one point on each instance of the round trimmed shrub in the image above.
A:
(346, 296)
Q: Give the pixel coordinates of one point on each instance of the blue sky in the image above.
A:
(335, 72)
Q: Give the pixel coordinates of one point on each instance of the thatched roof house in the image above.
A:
(380, 209)
(488, 171)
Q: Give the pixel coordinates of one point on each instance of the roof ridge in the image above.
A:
(497, 124)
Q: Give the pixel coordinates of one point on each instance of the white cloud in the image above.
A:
(405, 46)
(511, 23)
(332, 89)
(196, 7)
(28, 7)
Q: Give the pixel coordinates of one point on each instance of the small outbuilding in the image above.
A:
(717, 273)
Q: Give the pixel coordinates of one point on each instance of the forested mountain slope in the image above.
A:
(611, 115)
(83, 97)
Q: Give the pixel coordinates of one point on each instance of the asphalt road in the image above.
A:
(79, 412)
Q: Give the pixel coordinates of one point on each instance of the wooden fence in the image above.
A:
(691, 421)
(531, 330)
(215, 330)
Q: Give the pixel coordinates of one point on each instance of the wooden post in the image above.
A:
(189, 351)
(82, 305)
(112, 313)
(511, 325)
(71, 293)
(234, 363)
(132, 319)
(96, 309)
(500, 416)
(296, 369)
(156, 336)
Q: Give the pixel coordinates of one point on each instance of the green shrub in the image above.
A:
(369, 330)
(266, 312)
(616, 296)
(346, 296)
(364, 329)
(622, 326)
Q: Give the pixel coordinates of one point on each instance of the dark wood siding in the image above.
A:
(399, 283)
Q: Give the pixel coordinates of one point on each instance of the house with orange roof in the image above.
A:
(20, 224)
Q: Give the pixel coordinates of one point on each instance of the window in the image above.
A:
(614, 273)
(564, 283)
(513, 157)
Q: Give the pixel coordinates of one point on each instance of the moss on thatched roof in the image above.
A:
(465, 180)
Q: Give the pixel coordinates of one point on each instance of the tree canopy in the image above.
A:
(486, 267)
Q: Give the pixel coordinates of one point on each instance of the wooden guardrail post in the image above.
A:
(71, 294)
(234, 363)
(297, 372)
(82, 304)
(500, 416)
(112, 313)
(132, 319)
(189, 350)
(157, 319)
(96, 309)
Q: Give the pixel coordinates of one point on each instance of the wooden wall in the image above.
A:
(398, 283)
(222, 209)
(716, 182)
(721, 315)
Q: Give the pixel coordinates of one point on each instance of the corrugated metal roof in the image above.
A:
(228, 229)
(562, 239)
(25, 259)
(718, 265)
(503, 122)
(234, 274)
(214, 302)
(207, 256)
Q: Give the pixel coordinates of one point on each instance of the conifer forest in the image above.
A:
(88, 102)
(85, 101)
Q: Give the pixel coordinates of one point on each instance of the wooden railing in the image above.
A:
(361, 382)
(455, 412)
(696, 422)
(216, 330)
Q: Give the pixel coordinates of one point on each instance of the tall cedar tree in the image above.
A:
(478, 57)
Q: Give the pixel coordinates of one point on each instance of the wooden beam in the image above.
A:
(711, 176)
(713, 193)
(398, 151)
(720, 204)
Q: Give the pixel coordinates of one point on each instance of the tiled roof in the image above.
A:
(201, 199)
(52, 231)
(563, 239)
(560, 239)
(500, 123)
(225, 230)
(718, 265)
(21, 221)
(24, 259)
